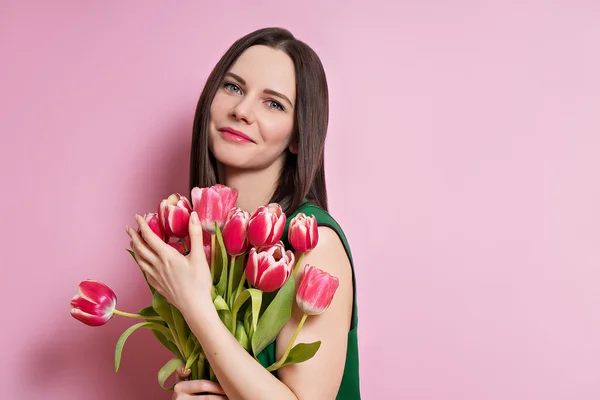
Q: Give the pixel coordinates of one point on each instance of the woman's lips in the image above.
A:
(235, 136)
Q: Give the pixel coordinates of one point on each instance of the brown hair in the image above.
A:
(303, 175)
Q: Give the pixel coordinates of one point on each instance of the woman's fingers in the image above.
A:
(181, 374)
(198, 386)
(141, 249)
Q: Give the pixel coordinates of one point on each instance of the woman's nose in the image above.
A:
(243, 111)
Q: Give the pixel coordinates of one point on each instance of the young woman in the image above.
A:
(260, 127)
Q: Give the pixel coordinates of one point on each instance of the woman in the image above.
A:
(260, 127)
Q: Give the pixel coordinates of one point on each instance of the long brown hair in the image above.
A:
(303, 175)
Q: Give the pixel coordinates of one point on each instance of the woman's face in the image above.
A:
(252, 113)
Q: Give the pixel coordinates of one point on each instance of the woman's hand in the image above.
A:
(185, 389)
(180, 279)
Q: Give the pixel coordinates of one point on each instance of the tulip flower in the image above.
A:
(313, 297)
(266, 225)
(235, 235)
(316, 290)
(213, 205)
(94, 303)
(303, 233)
(174, 215)
(154, 223)
(270, 268)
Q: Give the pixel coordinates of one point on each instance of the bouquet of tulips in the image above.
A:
(253, 280)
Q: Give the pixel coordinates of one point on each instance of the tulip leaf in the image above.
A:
(274, 317)
(121, 342)
(222, 279)
(148, 312)
(180, 327)
(169, 344)
(167, 370)
(220, 303)
(226, 318)
(242, 337)
(143, 273)
(194, 354)
(299, 353)
(256, 296)
(162, 308)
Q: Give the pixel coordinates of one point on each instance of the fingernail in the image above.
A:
(194, 218)
(187, 371)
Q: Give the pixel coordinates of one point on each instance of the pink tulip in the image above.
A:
(266, 225)
(235, 232)
(94, 304)
(270, 268)
(179, 246)
(316, 290)
(213, 204)
(154, 223)
(303, 233)
(174, 215)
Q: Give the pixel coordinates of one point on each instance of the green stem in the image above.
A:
(185, 248)
(230, 283)
(213, 255)
(240, 286)
(299, 260)
(138, 316)
(278, 364)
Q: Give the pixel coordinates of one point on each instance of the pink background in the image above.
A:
(475, 124)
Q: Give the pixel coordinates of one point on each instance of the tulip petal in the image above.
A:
(273, 278)
(97, 292)
(89, 319)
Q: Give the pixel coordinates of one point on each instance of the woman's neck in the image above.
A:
(255, 187)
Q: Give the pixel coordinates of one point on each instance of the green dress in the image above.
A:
(350, 385)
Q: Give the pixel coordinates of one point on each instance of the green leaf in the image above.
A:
(167, 370)
(256, 296)
(143, 273)
(222, 280)
(220, 303)
(180, 327)
(162, 308)
(194, 354)
(226, 318)
(242, 337)
(169, 344)
(148, 312)
(274, 317)
(299, 353)
(121, 342)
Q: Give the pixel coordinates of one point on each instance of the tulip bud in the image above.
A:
(303, 233)
(270, 268)
(316, 290)
(174, 215)
(266, 225)
(94, 303)
(154, 223)
(213, 204)
(235, 232)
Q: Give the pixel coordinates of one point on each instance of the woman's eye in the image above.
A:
(275, 105)
(233, 88)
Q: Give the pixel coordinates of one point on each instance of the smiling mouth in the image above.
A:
(235, 136)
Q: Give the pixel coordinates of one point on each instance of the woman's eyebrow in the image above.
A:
(267, 91)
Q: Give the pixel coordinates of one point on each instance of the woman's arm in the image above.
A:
(243, 378)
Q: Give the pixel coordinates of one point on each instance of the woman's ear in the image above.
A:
(293, 147)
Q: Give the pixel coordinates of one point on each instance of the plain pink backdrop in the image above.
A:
(463, 162)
